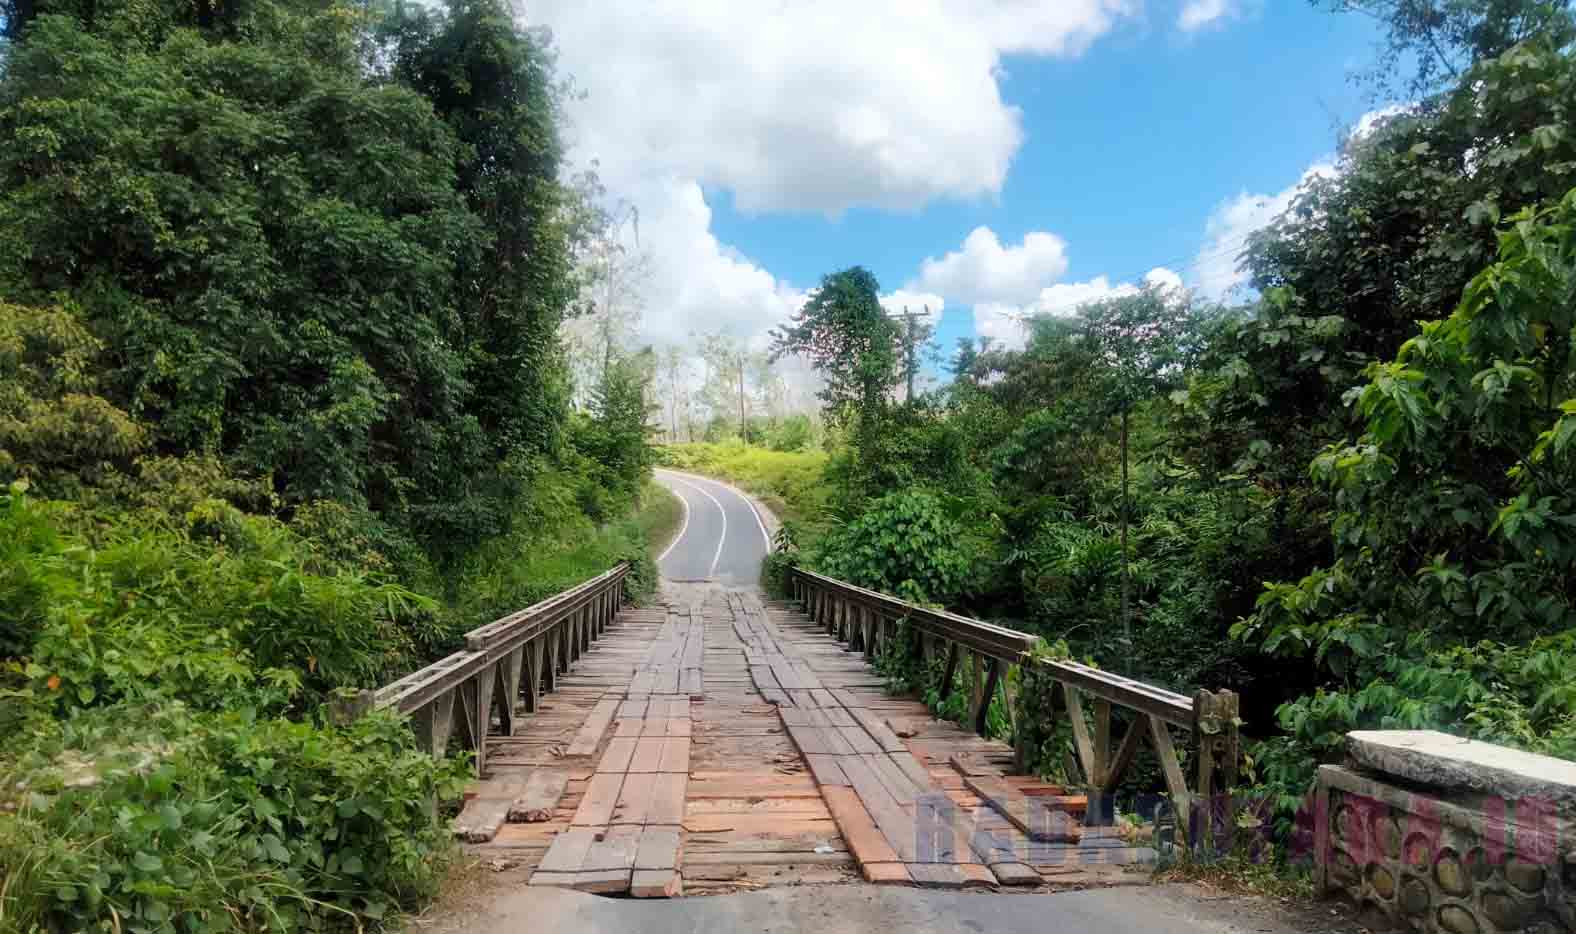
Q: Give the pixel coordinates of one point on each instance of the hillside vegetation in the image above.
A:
(283, 411)
(1351, 498)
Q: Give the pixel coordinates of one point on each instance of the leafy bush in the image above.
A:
(160, 818)
(913, 544)
(223, 612)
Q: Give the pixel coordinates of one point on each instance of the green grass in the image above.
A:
(659, 517)
(790, 483)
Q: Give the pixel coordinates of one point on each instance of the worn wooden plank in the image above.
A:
(615, 758)
(951, 875)
(656, 883)
(865, 839)
(826, 770)
(480, 819)
(1030, 816)
(1081, 741)
(903, 791)
(589, 736)
(598, 801)
(1165, 751)
(675, 755)
(648, 754)
(634, 802)
(568, 851)
(876, 726)
(540, 796)
(658, 849)
(895, 823)
(667, 799)
(859, 740)
(1014, 873)
(886, 873)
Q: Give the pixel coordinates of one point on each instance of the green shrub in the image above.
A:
(161, 818)
(913, 544)
(224, 611)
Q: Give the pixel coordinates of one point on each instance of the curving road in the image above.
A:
(722, 538)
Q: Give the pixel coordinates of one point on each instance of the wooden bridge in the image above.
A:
(714, 740)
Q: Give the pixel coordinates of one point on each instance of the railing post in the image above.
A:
(345, 709)
(992, 672)
(1217, 747)
(434, 722)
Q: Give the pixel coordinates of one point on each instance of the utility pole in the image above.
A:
(742, 435)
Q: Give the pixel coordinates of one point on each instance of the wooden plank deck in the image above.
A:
(716, 742)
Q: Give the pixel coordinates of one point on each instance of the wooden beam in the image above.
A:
(1081, 740)
(1102, 738)
(992, 672)
(1125, 754)
(1160, 736)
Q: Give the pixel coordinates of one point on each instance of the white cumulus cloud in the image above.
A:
(1006, 324)
(801, 106)
(985, 270)
(1197, 14)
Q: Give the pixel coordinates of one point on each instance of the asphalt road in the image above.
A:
(722, 538)
(869, 909)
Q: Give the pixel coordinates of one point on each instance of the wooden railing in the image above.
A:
(868, 620)
(514, 658)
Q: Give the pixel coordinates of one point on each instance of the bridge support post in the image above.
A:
(532, 676)
(981, 716)
(433, 723)
(1217, 747)
(508, 689)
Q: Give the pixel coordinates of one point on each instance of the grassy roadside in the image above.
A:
(790, 483)
(659, 517)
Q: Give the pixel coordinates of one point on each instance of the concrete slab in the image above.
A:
(1440, 760)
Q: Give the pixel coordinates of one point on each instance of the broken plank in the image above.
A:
(479, 820)
(1029, 815)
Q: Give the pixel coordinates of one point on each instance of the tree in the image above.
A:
(335, 255)
(1443, 38)
(915, 337)
(673, 365)
(729, 386)
(613, 271)
(1139, 342)
(845, 334)
(1456, 518)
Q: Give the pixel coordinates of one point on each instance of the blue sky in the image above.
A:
(1129, 150)
(765, 144)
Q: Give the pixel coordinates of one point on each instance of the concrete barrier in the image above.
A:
(1436, 833)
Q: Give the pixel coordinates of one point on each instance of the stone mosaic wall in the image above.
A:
(1440, 867)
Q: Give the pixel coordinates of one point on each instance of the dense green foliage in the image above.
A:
(283, 410)
(1350, 499)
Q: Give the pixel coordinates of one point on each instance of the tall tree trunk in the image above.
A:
(742, 436)
(1127, 624)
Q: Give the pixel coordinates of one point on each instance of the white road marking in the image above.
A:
(759, 523)
(721, 539)
(682, 529)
